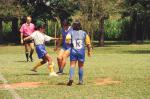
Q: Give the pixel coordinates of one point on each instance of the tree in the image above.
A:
(95, 12)
(139, 13)
(11, 11)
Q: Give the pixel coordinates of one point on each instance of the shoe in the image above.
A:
(60, 73)
(80, 83)
(53, 74)
(70, 83)
(27, 60)
(33, 70)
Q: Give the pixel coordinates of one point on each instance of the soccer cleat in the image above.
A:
(33, 70)
(80, 83)
(60, 73)
(70, 83)
(53, 74)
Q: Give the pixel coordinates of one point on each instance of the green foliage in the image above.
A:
(112, 29)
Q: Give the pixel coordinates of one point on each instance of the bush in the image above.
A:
(113, 29)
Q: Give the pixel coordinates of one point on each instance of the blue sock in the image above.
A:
(80, 72)
(61, 69)
(71, 72)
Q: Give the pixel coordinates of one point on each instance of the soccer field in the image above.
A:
(113, 72)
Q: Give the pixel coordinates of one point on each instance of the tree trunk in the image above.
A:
(1, 30)
(15, 35)
(101, 27)
(134, 29)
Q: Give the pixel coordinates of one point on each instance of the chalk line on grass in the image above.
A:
(8, 87)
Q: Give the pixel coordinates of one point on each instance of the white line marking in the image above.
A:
(8, 87)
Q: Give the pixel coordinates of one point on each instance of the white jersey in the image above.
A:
(40, 38)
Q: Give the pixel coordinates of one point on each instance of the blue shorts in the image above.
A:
(77, 55)
(41, 51)
(66, 49)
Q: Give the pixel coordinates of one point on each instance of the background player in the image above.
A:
(26, 30)
(39, 39)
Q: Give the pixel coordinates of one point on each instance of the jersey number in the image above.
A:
(77, 44)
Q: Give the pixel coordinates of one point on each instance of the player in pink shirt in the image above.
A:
(26, 30)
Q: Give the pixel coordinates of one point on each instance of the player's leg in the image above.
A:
(65, 56)
(59, 59)
(44, 60)
(81, 59)
(80, 72)
(31, 51)
(71, 72)
(50, 65)
(73, 60)
(27, 51)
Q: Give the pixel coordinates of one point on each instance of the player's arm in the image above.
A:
(21, 38)
(68, 38)
(88, 43)
(59, 42)
(48, 38)
(21, 34)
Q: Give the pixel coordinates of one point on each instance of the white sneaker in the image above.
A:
(53, 74)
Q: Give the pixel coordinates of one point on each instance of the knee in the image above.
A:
(59, 58)
(32, 49)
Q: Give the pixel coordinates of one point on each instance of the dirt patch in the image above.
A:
(21, 85)
(105, 81)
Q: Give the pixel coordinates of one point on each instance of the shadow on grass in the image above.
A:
(35, 74)
(61, 84)
(137, 52)
(21, 61)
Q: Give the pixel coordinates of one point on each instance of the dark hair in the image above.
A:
(77, 25)
(40, 24)
(65, 22)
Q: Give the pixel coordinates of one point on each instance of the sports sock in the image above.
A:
(71, 72)
(61, 69)
(27, 55)
(38, 65)
(51, 67)
(80, 72)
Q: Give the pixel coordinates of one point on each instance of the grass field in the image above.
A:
(127, 64)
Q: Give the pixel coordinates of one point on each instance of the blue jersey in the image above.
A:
(78, 39)
(64, 33)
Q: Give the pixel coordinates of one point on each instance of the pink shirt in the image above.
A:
(27, 29)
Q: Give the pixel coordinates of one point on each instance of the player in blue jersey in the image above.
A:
(65, 50)
(78, 40)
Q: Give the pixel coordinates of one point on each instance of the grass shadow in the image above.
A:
(138, 52)
(35, 74)
(61, 84)
(21, 61)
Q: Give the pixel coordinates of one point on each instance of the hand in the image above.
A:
(21, 41)
(89, 54)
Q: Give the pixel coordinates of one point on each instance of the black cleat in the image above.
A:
(60, 73)
(33, 70)
(70, 83)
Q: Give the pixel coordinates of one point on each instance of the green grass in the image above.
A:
(129, 64)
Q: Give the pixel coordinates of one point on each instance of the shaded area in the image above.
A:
(137, 51)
